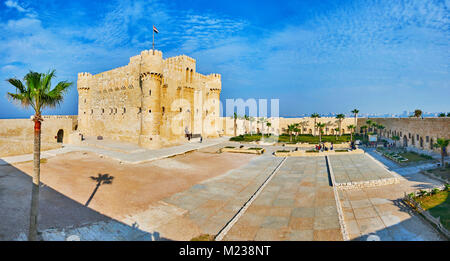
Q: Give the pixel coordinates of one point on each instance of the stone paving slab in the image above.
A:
(357, 168)
(297, 204)
(379, 214)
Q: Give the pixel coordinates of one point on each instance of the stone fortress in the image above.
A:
(152, 102)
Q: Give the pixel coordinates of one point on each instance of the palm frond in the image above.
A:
(18, 84)
(47, 80)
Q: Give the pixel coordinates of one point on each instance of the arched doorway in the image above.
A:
(60, 136)
(405, 141)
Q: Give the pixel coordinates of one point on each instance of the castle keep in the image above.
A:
(152, 102)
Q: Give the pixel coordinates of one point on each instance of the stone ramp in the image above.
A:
(297, 204)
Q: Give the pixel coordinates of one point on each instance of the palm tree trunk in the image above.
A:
(442, 158)
(235, 127)
(32, 233)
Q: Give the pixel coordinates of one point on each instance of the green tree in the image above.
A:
(336, 132)
(235, 117)
(442, 143)
(246, 122)
(417, 113)
(320, 126)
(395, 139)
(441, 114)
(291, 128)
(315, 116)
(36, 91)
(268, 124)
(355, 112)
(364, 128)
(351, 127)
(340, 117)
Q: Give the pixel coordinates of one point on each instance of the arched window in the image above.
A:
(163, 109)
(150, 92)
(187, 74)
(149, 111)
(124, 110)
(190, 78)
(103, 110)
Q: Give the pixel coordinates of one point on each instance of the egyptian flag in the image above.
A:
(155, 30)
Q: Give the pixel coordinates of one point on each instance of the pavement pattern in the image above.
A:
(356, 168)
(297, 204)
(212, 204)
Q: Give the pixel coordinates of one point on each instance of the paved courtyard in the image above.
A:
(183, 195)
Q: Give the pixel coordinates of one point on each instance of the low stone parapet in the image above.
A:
(243, 150)
(306, 153)
(367, 184)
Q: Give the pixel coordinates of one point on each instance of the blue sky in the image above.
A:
(315, 56)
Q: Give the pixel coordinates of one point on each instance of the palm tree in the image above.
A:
(355, 112)
(315, 116)
(364, 128)
(296, 130)
(340, 117)
(442, 143)
(235, 117)
(268, 124)
(251, 119)
(351, 128)
(246, 120)
(291, 128)
(380, 128)
(417, 113)
(37, 93)
(395, 139)
(320, 126)
(336, 132)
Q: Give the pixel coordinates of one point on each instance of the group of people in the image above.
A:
(322, 147)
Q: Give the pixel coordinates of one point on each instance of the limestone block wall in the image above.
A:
(17, 135)
(279, 125)
(414, 133)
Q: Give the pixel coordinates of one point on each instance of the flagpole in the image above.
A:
(153, 46)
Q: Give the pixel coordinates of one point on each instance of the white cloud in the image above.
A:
(15, 5)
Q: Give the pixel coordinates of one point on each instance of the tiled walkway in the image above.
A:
(297, 204)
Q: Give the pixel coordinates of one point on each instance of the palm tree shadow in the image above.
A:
(100, 179)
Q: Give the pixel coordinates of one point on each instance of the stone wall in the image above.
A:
(414, 133)
(17, 135)
(279, 125)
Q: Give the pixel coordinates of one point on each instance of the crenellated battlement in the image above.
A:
(84, 75)
(214, 76)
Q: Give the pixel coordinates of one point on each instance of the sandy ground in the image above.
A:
(134, 186)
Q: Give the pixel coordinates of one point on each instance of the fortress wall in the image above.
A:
(113, 105)
(280, 125)
(415, 133)
(17, 135)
